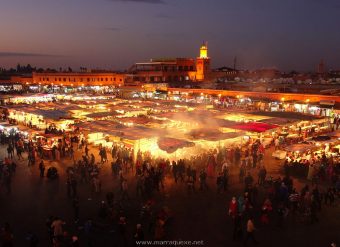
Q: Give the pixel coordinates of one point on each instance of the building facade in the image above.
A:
(163, 70)
(172, 70)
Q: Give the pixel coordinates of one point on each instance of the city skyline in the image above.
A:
(114, 34)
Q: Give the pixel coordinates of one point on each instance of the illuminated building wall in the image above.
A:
(79, 79)
(283, 97)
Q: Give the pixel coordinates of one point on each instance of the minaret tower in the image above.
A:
(203, 63)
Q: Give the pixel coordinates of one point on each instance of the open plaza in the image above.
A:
(114, 169)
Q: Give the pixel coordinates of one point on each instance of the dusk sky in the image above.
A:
(114, 34)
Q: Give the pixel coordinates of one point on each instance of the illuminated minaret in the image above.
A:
(202, 63)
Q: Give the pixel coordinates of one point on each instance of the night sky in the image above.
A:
(114, 34)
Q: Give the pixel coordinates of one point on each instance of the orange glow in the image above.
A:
(282, 99)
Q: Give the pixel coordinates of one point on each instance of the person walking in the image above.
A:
(57, 227)
(237, 228)
(75, 241)
(202, 179)
(124, 187)
(7, 236)
(86, 151)
(42, 168)
(10, 151)
(75, 205)
(250, 232)
(139, 235)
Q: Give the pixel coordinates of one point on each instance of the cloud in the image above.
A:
(141, 1)
(167, 35)
(24, 54)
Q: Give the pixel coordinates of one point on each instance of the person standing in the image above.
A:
(233, 208)
(250, 232)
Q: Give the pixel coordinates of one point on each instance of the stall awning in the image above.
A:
(255, 127)
(300, 147)
(327, 102)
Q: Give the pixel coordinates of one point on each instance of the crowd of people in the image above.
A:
(313, 166)
(148, 176)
